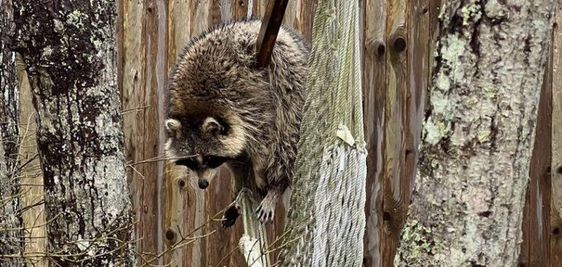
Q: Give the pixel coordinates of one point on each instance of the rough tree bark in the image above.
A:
(68, 49)
(11, 231)
(478, 134)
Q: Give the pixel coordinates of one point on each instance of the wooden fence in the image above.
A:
(179, 223)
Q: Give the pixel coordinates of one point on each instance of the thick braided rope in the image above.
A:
(326, 220)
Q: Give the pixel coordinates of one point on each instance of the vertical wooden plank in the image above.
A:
(303, 22)
(374, 95)
(140, 86)
(405, 76)
(536, 226)
(418, 72)
(290, 15)
(132, 98)
(183, 205)
(396, 186)
(258, 8)
(240, 9)
(556, 185)
(153, 119)
(32, 195)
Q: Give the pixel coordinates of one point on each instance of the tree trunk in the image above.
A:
(11, 231)
(478, 134)
(68, 49)
(327, 218)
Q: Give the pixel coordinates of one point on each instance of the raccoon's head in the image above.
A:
(202, 142)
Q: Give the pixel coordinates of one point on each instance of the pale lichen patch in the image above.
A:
(470, 12)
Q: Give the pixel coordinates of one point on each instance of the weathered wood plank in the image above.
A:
(555, 219)
(374, 97)
(396, 185)
(183, 206)
(32, 191)
(139, 86)
(536, 225)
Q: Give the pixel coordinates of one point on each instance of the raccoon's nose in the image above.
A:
(203, 183)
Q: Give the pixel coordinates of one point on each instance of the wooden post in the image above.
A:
(32, 189)
(374, 97)
(536, 225)
(555, 219)
(268, 31)
(142, 82)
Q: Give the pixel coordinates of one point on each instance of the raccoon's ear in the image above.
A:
(173, 126)
(211, 125)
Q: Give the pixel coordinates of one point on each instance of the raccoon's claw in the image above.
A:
(230, 215)
(265, 212)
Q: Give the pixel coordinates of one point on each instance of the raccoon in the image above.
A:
(223, 109)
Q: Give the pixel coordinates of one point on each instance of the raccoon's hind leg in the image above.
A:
(241, 172)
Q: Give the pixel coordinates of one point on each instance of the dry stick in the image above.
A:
(181, 243)
(269, 30)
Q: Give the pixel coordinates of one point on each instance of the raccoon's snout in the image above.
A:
(203, 184)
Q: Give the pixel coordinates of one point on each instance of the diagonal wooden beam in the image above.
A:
(269, 30)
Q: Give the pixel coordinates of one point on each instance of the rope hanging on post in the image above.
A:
(326, 219)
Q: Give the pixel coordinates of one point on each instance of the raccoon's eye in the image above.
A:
(190, 163)
(214, 161)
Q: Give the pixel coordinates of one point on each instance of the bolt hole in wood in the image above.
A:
(407, 152)
(556, 231)
(386, 216)
(381, 49)
(559, 170)
(181, 183)
(170, 236)
(399, 44)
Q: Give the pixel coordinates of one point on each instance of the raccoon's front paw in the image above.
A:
(230, 215)
(265, 211)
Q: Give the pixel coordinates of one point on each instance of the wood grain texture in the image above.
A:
(397, 137)
(555, 219)
(184, 206)
(32, 187)
(140, 98)
(536, 225)
(374, 97)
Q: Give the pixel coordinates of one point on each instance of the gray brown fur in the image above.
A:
(258, 111)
